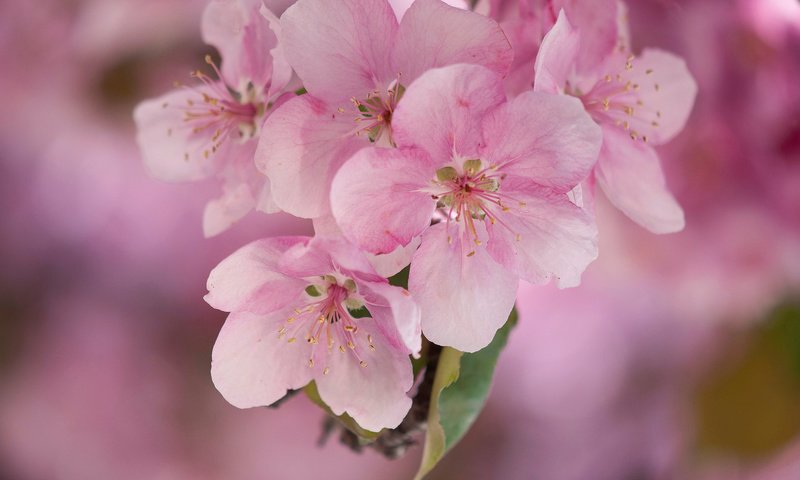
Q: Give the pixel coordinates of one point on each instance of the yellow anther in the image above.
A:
(362, 363)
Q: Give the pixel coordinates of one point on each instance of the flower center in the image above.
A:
(330, 316)
(220, 113)
(373, 115)
(616, 99)
(469, 192)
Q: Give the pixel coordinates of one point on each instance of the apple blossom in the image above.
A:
(355, 60)
(211, 130)
(304, 310)
(526, 22)
(495, 175)
(639, 102)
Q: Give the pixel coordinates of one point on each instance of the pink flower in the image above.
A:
(496, 175)
(527, 21)
(211, 130)
(305, 310)
(639, 102)
(356, 60)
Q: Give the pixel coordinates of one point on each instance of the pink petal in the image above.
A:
(278, 6)
(545, 235)
(243, 38)
(377, 197)
(324, 255)
(464, 300)
(220, 214)
(597, 22)
(374, 395)
(281, 70)
(396, 314)
(557, 57)
(264, 202)
(302, 145)
(629, 173)
(340, 49)
(251, 367)
(525, 35)
(249, 279)
(667, 92)
(441, 111)
(390, 264)
(172, 152)
(434, 34)
(401, 6)
(386, 265)
(547, 138)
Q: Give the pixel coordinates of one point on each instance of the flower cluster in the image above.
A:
(464, 141)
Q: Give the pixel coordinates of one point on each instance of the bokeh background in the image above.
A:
(678, 357)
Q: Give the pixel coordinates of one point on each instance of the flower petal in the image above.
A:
(243, 38)
(171, 151)
(251, 367)
(464, 300)
(220, 214)
(545, 235)
(302, 145)
(324, 255)
(547, 138)
(390, 264)
(395, 313)
(340, 49)
(629, 172)
(401, 6)
(667, 90)
(386, 265)
(249, 279)
(557, 57)
(441, 111)
(378, 199)
(433, 34)
(597, 22)
(375, 395)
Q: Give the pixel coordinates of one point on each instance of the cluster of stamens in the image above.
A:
(373, 115)
(220, 112)
(617, 98)
(472, 193)
(330, 318)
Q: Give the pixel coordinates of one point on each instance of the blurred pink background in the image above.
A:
(678, 357)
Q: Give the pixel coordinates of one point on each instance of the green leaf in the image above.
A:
(313, 394)
(401, 278)
(460, 388)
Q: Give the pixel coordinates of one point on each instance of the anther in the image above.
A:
(362, 363)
